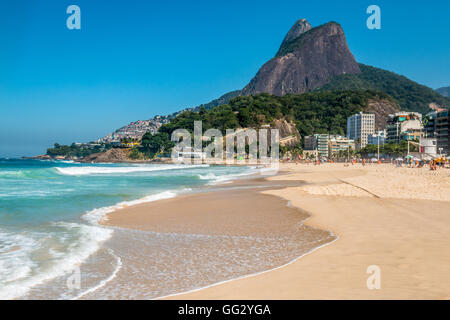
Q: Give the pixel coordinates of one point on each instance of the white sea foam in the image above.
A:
(225, 178)
(104, 281)
(97, 215)
(15, 262)
(88, 170)
(25, 273)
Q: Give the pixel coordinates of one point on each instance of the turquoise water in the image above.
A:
(49, 210)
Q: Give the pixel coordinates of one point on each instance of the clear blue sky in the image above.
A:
(134, 59)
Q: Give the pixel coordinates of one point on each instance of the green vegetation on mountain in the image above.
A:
(315, 112)
(220, 101)
(77, 150)
(410, 95)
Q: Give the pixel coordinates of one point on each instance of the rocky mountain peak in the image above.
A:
(307, 59)
(300, 27)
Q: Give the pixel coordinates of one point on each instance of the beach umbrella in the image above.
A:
(409, 156)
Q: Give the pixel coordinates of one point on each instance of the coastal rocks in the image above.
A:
(112, 155)
(40, 157)
(307, 59)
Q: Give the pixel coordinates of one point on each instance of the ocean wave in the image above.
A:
(19, 272)
(225, 178)
(97, 215)
(79, 171)
(17, 173)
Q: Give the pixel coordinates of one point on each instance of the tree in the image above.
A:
(152, 144)
(135, 154)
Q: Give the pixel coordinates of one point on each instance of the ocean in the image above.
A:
(49, 213)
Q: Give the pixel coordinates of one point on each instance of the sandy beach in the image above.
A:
(395, 218)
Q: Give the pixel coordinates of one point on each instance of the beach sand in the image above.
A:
(395, 218)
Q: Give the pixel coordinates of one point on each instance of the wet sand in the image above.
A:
(196, 240)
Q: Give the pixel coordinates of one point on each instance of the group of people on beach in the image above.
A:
(412, 163)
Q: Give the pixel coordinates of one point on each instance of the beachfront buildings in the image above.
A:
(317, 142)
(339, 143)
(429, 124)
(359, 127)
(404, 125)
(327, 145)
(377, 138)
(442, 132)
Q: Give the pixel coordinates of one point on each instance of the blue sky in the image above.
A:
(134, 59)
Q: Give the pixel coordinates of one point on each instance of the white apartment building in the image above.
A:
(359, 127)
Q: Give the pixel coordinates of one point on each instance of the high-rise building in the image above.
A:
(404, 125)
(442, 132)
(429, 124)
(317, 142)
(359, 126)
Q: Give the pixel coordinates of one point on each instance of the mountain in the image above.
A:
(217, 102)
(300, 27)
(307, 59)
(445, 91)
(410, 95)
(318, 59)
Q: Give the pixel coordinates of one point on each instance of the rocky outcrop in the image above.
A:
(382, 108)
(112, 155)
(289, 135)
(299, 28)
(307, 59)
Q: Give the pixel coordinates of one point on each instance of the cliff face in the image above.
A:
(289, 135)
(299, 28)
(307, 59)
(382, 108)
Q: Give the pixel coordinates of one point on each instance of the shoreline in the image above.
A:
(267, 283)
(163, 217)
